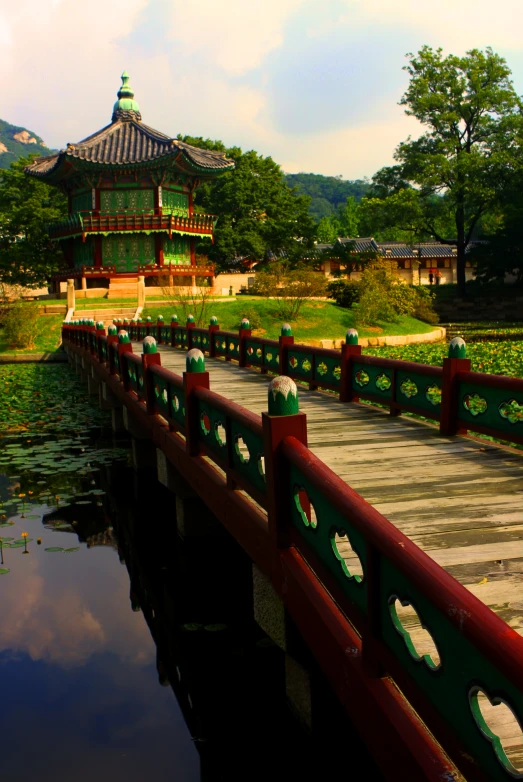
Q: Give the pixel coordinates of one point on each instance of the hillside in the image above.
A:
(326, 192)
(16, 142)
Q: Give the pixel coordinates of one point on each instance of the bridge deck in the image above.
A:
(458, 499)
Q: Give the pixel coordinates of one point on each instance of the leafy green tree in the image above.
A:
(327, 231)
(456, 169)
(27, 255)
(259, 215)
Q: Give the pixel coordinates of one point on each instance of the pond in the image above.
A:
(104, 614)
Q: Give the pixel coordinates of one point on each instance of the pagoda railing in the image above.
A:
(108, 222)
(145, 270)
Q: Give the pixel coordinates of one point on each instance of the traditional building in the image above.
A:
(415, 263)
(130, 191)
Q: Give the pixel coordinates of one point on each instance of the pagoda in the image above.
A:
(130, 194)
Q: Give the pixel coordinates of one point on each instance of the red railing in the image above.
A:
(92, 223)
(327, 549)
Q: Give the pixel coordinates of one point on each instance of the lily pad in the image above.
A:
(70, 550)
(54, 548)
(4, 571)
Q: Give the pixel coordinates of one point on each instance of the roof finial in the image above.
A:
(126, 108)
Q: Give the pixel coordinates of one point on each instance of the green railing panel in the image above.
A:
(205, 344)
(184, 338)
(104, 350)
(340, 547)
(212, 430)
(370, 379)
(419, 390)
(142, 332)
(161, 395)
(254, 352)
(136, 377)
(271, 357)
(233, 347)
(328, 370)
(114, 348)
(452, 673)
(493, 407)
(247, 455)
(299, 364)
(165, 334)
(197, 338)
(176, 410)
(220, 345)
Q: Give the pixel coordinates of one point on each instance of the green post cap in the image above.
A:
(149, 319)
(139, 320)
(195, 361)
(115, 321)
(286, 330)
(125, 322)
(283, 396)
(123, 338)
(112, 330)
(174, 318)
(245, 324)
(351, 337)
(190, 318)
(149, 345)
(214, 320)
(134, 320)
(160, 318)
(100, 325)
(457, 348)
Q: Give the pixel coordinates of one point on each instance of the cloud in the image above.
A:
(286, 78)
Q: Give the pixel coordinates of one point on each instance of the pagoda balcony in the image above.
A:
(146, 270)
(106, 223)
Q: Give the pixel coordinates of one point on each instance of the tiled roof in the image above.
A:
(361, 244)
(396, 249)
(125, 142)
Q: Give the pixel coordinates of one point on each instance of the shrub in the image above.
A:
(344, 292)
(289, 288)
(383, 297)
(252, 315)
(20, 322)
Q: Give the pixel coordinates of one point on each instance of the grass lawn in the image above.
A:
(317, 319)
(47, 339)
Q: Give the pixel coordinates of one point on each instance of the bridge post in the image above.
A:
(112, 337)
(349, 349)
(452, 366)
(285, 340)
(150, 356)
(195, 376)
(124, 346)
(189, 326)
(244, 332)
(159, 327)
(148, 325)
(213, 327)
(283, 419)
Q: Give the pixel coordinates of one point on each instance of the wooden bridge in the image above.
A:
(395, 546)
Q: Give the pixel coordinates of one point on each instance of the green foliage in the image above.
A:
(494, 358)
(474, 124)
(27, 206)
(327, 193)
(20, 325)
(344, 292)
(259, 215)
(384, 298)
(290, 288)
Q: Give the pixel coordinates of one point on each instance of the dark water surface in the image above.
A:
(125, 654)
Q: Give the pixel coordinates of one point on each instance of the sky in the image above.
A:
(315, 84)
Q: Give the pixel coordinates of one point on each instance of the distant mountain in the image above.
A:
(327, 192)
(16, 142)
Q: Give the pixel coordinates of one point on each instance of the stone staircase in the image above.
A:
(123, 287)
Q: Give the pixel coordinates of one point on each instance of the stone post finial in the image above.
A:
(245, 324)
(174, 318)
(214, 320)
(195, 361)
(100, 325)
(148, 319)
(112, 330)
(123, 338)
(457, 348)
(286, 330)
(149, 345)
(160, 318)
(190, 318)
(283, 396)
(351, 337)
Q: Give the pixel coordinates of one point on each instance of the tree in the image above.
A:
(259, 215)
(457, 167)
(290, 288)
(27, 255)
